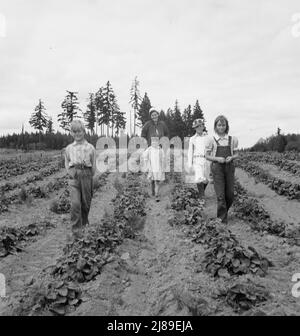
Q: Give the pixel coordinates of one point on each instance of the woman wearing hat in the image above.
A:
(155, 129)
(196, 157)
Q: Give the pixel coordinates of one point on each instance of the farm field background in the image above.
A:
(141, 257)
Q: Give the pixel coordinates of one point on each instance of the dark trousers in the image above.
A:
(81, 193)
(223, 176)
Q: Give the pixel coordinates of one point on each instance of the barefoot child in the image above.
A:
(196, 157)
(221, 150)
(154, 159)
(80, 163)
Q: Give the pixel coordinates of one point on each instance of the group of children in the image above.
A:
(208, 157)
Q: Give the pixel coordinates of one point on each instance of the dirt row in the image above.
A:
(160, 272)
(21, 269)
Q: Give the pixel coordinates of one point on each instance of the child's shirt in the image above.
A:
(154, 159)
(197, 145)
(81, 154)
(211, 144)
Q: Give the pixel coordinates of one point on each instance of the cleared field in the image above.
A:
(142, 257)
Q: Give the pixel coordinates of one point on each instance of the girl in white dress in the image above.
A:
(154, 163)
(197, 162)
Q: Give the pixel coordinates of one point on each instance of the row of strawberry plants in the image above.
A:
(277, 160)
(83, 258)
(15, 168)
(13, 240)
(23, 194)
(225, 258)
(281, 187)
(48, 171)
(250, 210)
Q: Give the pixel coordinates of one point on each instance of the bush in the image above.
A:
(292, 146)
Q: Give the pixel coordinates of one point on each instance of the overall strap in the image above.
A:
(230, 144)
(216, 141)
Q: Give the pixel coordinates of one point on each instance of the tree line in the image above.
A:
(278, 143)
(102, 117)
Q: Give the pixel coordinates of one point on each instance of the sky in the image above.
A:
(238, 58)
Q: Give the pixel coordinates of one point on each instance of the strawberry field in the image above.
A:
(143, 257)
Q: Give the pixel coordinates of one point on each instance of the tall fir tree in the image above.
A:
(70, 110)
(50, 129)
(108, 101)
(119, 121)
(178, 124)
(90, 114)
(170, 121)
(38, 119)
(187, 118)
(198, 114)
(99, 110)
(143, 112)
(162, 115)
(135, 101)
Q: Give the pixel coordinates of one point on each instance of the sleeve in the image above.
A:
(67, 157)
(209, 144)
(190, 153)
(145, 130)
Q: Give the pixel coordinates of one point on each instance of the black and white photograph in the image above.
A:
(149, 161)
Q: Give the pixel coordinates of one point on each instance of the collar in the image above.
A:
(225, 137)
(78, 144)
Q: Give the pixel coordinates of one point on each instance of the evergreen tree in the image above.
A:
(99, 110)
(38, 118)
(90, 114)
(170, 121)
(143, 112)
(188, 121)
(119, 120)
(162, 116)
(50, 129)
(108, 105)
(70, 110)
(178, 124)
(198, 114)
(135, 101)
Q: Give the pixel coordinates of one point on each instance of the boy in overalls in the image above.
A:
(221, 150)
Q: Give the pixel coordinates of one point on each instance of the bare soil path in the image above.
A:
(21, 268)
(279, 208)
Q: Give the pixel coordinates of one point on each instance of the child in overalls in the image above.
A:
(197, 162)
(80, 163)
(221, 150)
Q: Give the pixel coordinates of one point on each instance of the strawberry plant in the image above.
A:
(244, 295)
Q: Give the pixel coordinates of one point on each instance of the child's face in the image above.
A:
(78, 134)
(199, 129)
(154, 143)
(221, 127)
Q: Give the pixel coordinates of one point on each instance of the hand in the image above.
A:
(71, 173)
(229, 159)
(220, 159)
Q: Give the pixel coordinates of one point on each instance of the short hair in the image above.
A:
(221, 118)
(75, 124)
